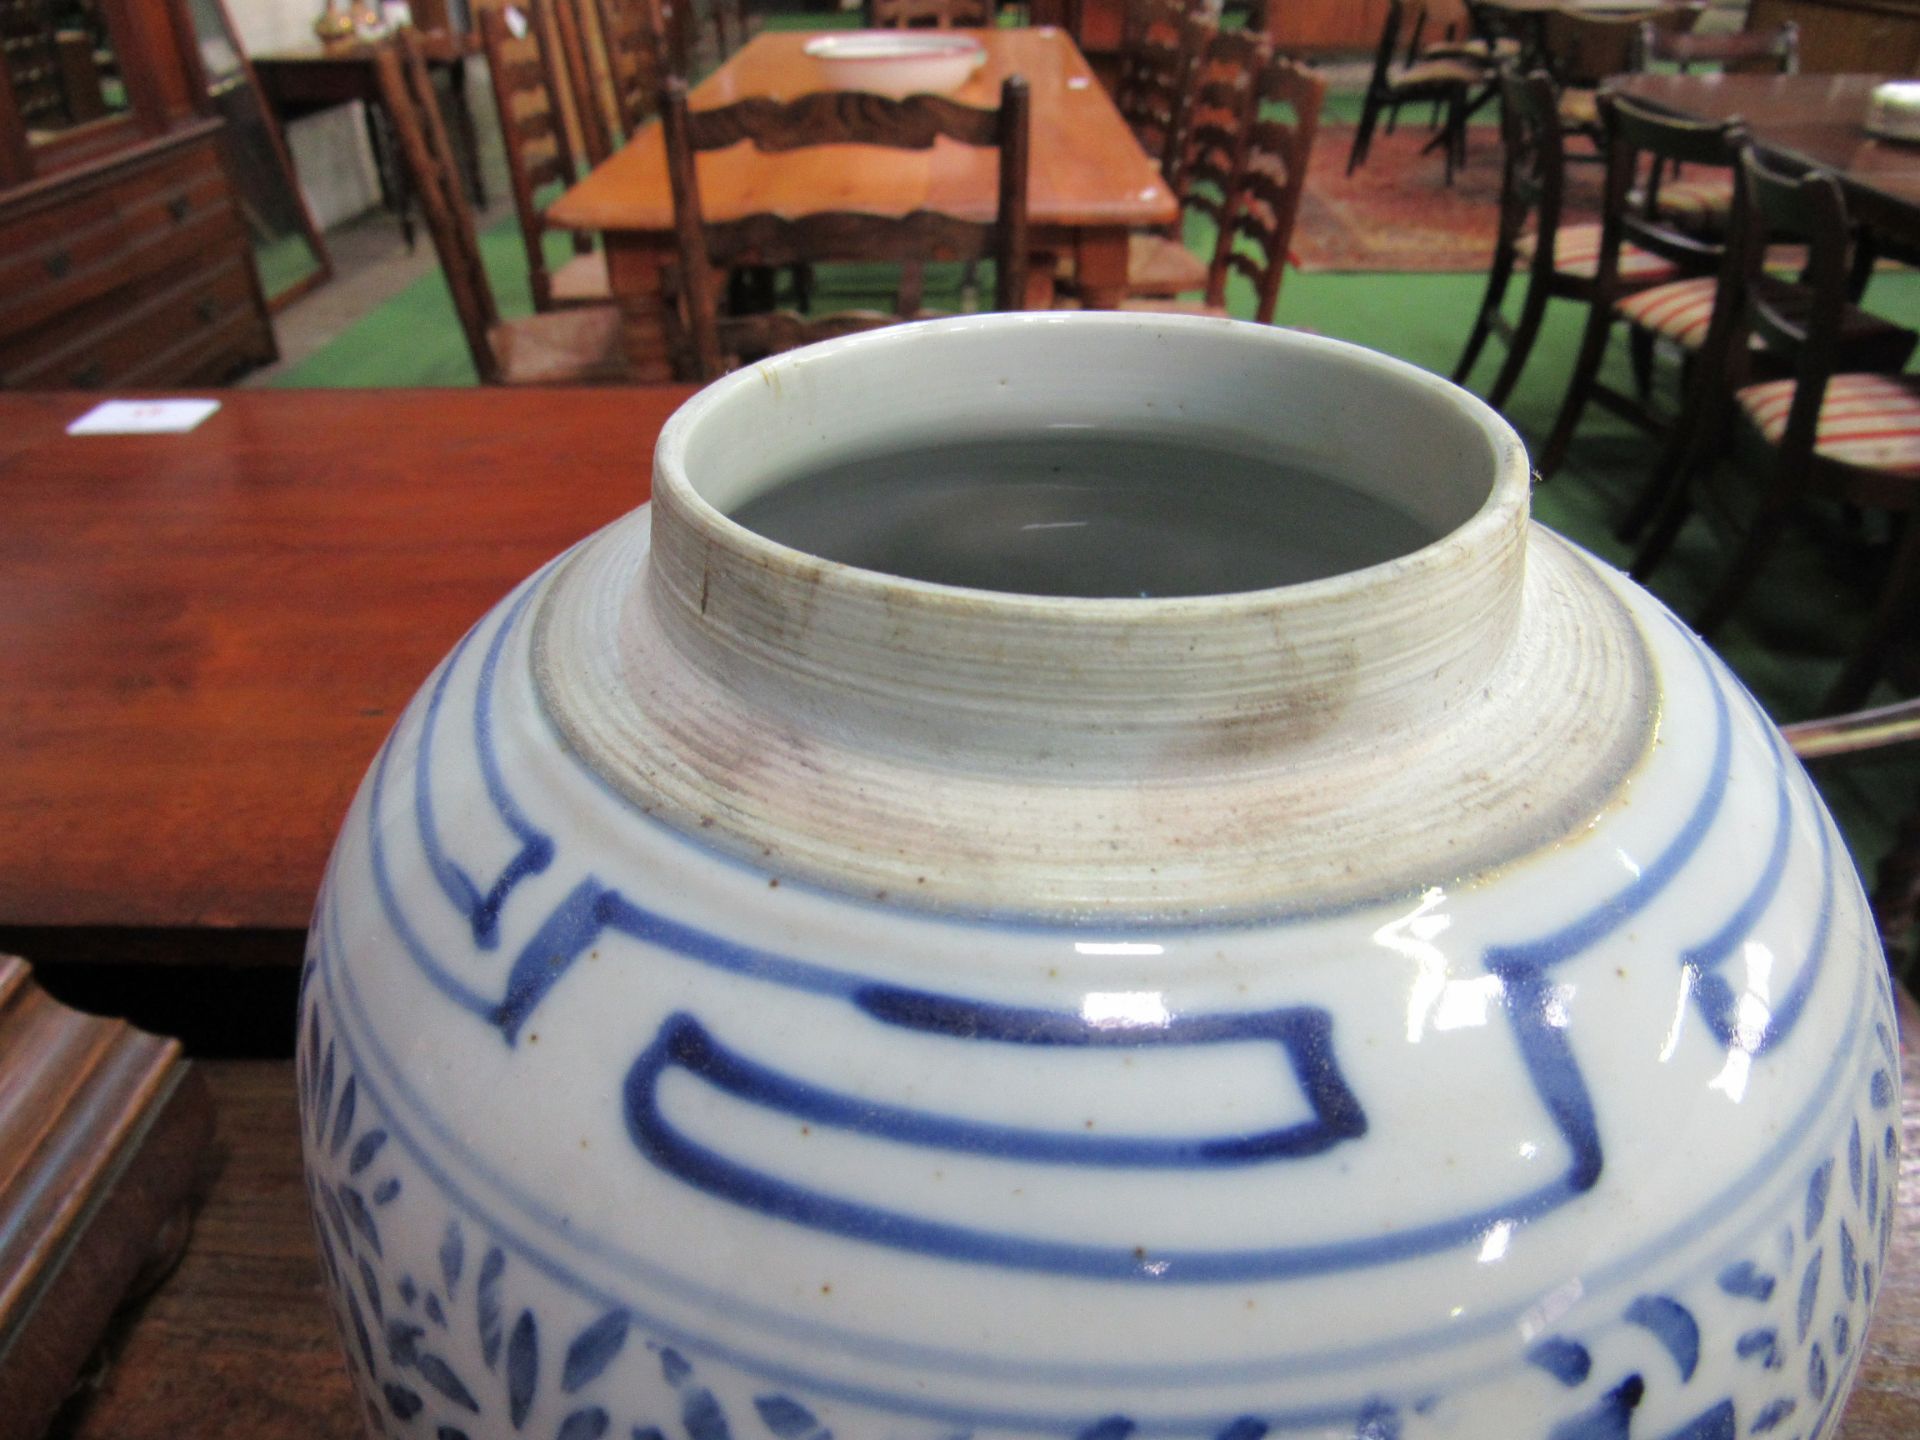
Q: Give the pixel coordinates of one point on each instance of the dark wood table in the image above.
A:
(207, 636)
(1088, 181)
(1811, 120)
(319, 77)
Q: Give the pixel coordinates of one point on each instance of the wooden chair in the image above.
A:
(934, 14)
(1446, 84)
(1824, 430)
(1161, 47)
(580, 345)
(578, 43)
(1640, 144)
(635, 32)
(534, 133)
(1270, 176)
(1222, 104)
(717, 341)
(1583, 51)
(1560, 261)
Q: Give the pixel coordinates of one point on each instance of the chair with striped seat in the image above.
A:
(1585, 49)
(1640, 143)
(1850, 436)
(1560, 261)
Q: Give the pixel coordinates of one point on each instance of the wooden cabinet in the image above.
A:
(123, 260)
(1838, 36)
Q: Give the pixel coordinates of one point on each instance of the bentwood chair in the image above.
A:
(1222, 104)
(578, 345)
(533, 130)
(716, 341)
(1825, 430)
(1559, 261)
(1445, 83)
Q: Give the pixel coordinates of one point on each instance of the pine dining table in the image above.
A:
(1089, 183)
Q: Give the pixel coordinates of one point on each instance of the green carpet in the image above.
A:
(1785, 644)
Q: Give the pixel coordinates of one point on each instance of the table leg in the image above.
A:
(395, 193)
(1100, 268)
(636, 276)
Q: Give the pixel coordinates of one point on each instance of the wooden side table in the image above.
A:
(303, 82)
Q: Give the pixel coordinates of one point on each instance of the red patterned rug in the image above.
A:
(1396, 212)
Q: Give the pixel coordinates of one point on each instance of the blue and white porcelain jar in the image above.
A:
(756, 997)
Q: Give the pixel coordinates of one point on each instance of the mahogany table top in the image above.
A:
(206, 636)
(237, 1342)
(1813, 119)
(1086, 169)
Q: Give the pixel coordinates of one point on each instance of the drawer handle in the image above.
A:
(206, 309)
(58, 264)
(178, 208)
(89, 376)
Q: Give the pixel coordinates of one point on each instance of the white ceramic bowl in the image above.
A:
(892, 62)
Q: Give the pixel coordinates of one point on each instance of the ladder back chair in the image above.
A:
(1269, 177)
(533, 130)
(1206, 161)
(636, 46)
(1824, 429)
(1445, 83)
(717, 341)
(1163, 42)
(580, 345)
(931, 14)
(578, 42)
(1559, 261)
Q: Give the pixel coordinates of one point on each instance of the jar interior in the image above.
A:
(1083, 511)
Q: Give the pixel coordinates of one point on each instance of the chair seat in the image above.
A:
(582, 280)
(1579, 108)
(1702, 204)
(1499, 52)
(1868, 421)
(1161, 265)
(1150, 306)
(1679, 311)
(1576, 251)
(1437, 75)
(580, 346)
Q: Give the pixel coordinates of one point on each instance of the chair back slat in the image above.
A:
(577, 42)
(533, 135)
(1270, 180)
(714, 341)
(1224, 100)
(1642, 144)
(1162, 47)
(639, 54)
(1534, 160)
(407, 95)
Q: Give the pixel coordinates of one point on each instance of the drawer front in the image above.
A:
(148, 334)
(110, 233)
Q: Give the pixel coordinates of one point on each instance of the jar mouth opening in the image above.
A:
(1088, 458)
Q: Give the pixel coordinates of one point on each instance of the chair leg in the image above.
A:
(1640, 352)
(1497, 277)
(1672, 488)
(1892, 617)
(1363, 133)
(1593, 346)
(1744, 564)
(1532, 311)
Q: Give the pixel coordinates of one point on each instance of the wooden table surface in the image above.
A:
(1810, 119)
(205, 637)
(1088, 180)
(237, 1342)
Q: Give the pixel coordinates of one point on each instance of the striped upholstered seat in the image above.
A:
(1679, 312)
(1576, 251)
(1702, 204)
(1872, 421)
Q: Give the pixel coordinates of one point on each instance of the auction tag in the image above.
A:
(143, 417)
